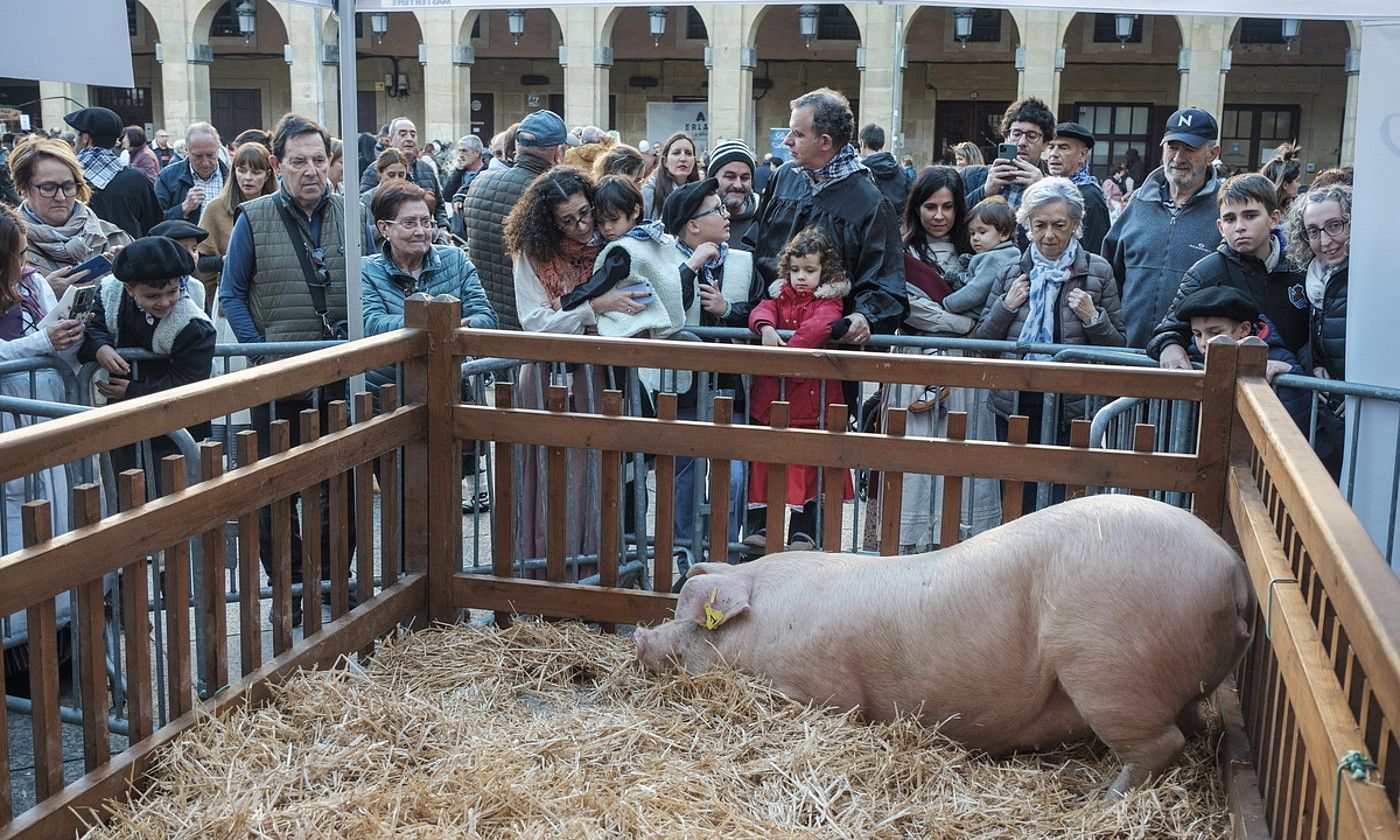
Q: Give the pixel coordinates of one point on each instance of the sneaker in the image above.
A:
(757, 542)
(480, 503)
(801, 542)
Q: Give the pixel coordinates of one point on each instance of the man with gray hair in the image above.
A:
(403, 135)
(826, 185)
(471, 161)
(184, 187)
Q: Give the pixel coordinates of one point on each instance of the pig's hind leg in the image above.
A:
(1140, 729)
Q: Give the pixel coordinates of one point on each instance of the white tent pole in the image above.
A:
(349, 138)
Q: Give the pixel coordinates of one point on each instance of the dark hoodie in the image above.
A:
(741, 222)
(890, 177)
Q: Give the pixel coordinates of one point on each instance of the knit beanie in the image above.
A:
(729, 151)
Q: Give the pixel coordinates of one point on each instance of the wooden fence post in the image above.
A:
(1213, 433)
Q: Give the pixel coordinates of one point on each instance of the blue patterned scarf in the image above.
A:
(846, 162)
(707, 271)
(655, 231)
(1047, 276)
(100, 166)
(1081, 176)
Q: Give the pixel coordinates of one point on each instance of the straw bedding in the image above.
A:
(553, 730)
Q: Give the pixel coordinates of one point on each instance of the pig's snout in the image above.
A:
(647, 653)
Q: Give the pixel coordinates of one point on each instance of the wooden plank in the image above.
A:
(444, 474)
(1144, 440)
(249, 568)
(279, 441)
(892, 487)
(1078, 439)
(951, 530)
(665, 503)
(82, 554)
(66, 439)
(390, 518)
(1360, 584)
(37, 523)
(364, 509)
(92, 650)
(1214, 428)
(337, 420)
(310, 496)
(1323, 719)
(833, 484)
(610, 477)
(63, 815)
(719, 489)
(503, 506)
(136, 625)
(954, 371)
(776, 492)
(6, 790)
(1018, 429)
(177, 604)
(213, 617)
(556, 494)
(975, 458)
(415, 452)
(561, 600)
(1238, 771)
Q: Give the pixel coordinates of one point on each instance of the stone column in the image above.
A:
(1205, 42)
(731, 63)
(56, 102)
(880, 53)
(444, 102)
(1041, 56)
(310, 96)
(588, 70)
(1353, 67)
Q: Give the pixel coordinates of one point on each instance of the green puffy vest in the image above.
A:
(278, 297)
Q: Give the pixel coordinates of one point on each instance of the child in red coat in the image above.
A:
(806, 298)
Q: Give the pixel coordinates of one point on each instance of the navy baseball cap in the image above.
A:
(1192, 126)
(544, 129)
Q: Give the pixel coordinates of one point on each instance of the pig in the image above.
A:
(1109, 615)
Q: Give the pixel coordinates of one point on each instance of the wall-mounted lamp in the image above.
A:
(247, 20)
(807, 23)
(515, 22)
(1291, 28)
(379, 24)
(1123, 28)
(962, 24)
(656, 16)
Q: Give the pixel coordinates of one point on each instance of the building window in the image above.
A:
(225, 23)
(695, 25)
(986, 26)
(1106, 30)
(1116, 129)
(1262, 31)
(1250, 133)
(476, 26)
(131, 18)
(835, 23)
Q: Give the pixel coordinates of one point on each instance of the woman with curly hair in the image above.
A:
(675, 165)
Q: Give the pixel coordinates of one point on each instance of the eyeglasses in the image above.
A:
(1334, 229)
(718, 210)
(1032, 136)
(584, 217)
(411, 225)
(50, 189)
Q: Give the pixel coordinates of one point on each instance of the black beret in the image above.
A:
(179, 229)
(684, 203)
(152, 261)
(102, 123)
(1076, 131)
(1218, 302)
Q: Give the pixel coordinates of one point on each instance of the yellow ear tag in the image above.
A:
(713, 617)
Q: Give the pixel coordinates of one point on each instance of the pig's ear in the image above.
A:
(709, 569)
(711, 600)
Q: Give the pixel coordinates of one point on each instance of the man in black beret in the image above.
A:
(1067, 155)
(146, 303)
(121, 194)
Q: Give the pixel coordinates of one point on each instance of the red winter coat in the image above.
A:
(811, 314)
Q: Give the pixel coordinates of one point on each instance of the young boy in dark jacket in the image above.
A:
(146, 304)
(1221, 310)
(1251, 259)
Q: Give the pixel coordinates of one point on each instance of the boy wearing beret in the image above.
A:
(149, 303)
(1221, 310)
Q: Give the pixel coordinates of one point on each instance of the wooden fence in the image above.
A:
(1322, 680)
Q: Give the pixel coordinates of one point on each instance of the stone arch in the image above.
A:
(464, 32)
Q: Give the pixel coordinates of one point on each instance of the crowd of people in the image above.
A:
(547, 229)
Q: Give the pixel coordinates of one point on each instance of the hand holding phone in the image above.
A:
(95, 267)
(83, 300)
(1008, 152)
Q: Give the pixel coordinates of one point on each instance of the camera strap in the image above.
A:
(301, 241)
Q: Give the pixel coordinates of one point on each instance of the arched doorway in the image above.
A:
(510, 80)
(1122, 85)
(789, 67)
(1283, 89)
(249, 83)
(666, 70)
(956, 89)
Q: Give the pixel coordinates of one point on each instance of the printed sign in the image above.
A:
(666, 118)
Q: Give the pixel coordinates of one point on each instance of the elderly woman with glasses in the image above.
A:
(1058, 293)
(62, 230)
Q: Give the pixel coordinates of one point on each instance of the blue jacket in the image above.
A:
(446, 271)
(173, 184)
(1150, 250)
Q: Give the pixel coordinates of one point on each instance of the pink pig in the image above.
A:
(1109, 615)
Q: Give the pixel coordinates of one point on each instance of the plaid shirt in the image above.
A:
(846, 162)
(212, 186)
(100, 166)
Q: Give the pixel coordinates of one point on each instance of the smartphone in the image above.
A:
(95, 267)
(83, 298)
(1007, 151)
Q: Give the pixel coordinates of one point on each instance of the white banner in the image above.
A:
(1310, 9)
(76, 41)
(666, 118)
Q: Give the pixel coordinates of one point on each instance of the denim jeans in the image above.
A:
(685, 498)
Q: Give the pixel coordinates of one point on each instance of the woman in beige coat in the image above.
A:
(251, 177)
